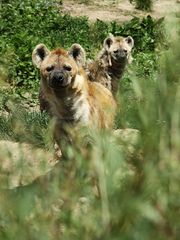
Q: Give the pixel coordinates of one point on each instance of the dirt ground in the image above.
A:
(118, 10)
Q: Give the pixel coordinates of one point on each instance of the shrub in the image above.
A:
(34, 22)
(145, 5)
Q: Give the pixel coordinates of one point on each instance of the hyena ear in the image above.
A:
(78, 53)
(130, 41)
(108, 41)
(39, 54)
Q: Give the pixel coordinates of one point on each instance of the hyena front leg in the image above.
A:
(62, 139)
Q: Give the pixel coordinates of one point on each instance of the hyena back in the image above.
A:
(110, 65)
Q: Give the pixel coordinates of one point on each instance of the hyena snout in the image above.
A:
(120, 54)
(58, 79)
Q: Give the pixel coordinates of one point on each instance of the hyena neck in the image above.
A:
(115, 73)
(116, 70)
(111, 70)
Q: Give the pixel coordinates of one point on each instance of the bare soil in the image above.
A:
(117, 10)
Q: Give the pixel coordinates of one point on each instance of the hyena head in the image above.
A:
(118, 49)
(58, 67)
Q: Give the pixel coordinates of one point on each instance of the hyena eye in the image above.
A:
(50, 68)
(115, 51)
(68, 68)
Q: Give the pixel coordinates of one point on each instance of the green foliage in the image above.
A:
(148, 33)
(145, 5)
(24, 126)
(34, 22)
(40, 21)
(146, 65)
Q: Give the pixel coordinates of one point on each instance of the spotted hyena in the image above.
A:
(111, 62)
(73, 100)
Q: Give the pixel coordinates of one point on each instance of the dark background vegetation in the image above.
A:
(139, 192)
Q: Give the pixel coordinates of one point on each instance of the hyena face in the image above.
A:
(59, 67)
(118, 49)
(58, 70)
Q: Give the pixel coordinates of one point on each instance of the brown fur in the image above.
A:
(108, 69)
(73, 100)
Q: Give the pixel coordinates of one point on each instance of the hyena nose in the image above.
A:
(57, 79)
(122, 53)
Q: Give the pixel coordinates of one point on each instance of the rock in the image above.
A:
(21, 163)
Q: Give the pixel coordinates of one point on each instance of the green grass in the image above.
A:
(24, 126)
(105, 191)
